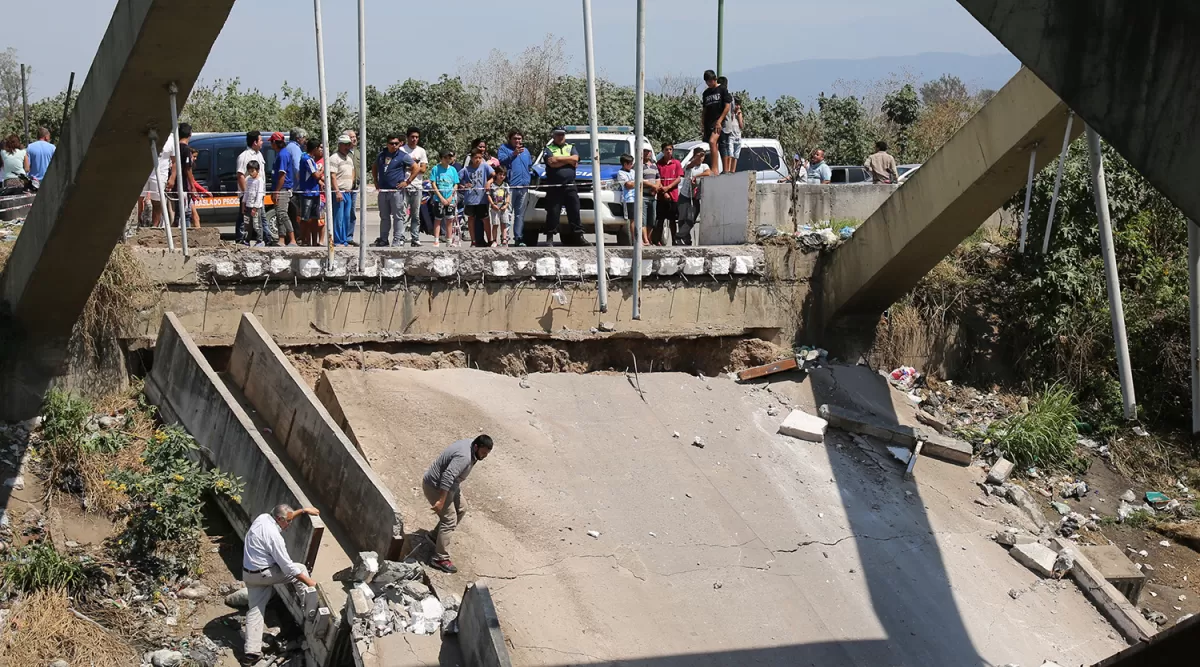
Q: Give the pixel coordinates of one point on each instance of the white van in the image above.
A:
(763, 156)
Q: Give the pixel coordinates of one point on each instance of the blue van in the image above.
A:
(216, 169)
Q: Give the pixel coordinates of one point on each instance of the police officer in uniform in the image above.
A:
(561, 159)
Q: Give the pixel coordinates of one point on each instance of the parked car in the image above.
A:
(763, 156)
(614, 142)
(849, 175)
(216, 169)
(906, 170)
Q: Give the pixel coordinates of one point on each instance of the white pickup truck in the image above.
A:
(615, 141)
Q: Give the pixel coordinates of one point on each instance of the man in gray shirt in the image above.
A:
(442, 489)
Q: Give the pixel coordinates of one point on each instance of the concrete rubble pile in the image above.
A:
(390, 596)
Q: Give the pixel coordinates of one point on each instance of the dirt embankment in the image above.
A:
(707, 356)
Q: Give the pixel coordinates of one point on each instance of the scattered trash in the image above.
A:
(1155, 617)
(593, 533)
(904, 377)
(1129, 496)
(1061, 508)
(766, 232)
(846, 233)
(1157, 500)
(1074, 490)
(1164, 543)
(1139, 431)
(717, 585)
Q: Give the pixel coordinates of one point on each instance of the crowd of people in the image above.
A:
(24, 167)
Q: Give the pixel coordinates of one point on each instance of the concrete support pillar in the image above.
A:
(93, 184)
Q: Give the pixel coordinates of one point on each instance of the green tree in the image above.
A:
(902, 110)
(945, 88)
(843, 124)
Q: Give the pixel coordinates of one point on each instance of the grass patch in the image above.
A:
(43, 628)
(38, 566)
(1140, 519)
(1045, 435)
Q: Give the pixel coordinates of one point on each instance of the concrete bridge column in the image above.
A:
(93, 183)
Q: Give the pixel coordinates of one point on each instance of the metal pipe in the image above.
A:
(1116, 309)
(62, 130)
(639, 215)
(158, 185)
(329, 203)
(1028, 197)
(720, 34)
(598, 208)
(362, 136)
(179, 188)
(1194, 308)
(1062, 160)
(25, 106)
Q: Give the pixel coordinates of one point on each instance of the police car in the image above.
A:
(615, 141)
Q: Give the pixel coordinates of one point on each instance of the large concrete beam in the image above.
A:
(93, 183)
(964, 182)
(1128, 68)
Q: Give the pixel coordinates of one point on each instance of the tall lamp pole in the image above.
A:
(720, 34)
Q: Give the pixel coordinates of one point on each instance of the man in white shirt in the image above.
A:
(412, 196)
(265, 562)
(253, 152)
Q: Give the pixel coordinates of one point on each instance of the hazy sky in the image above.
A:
(425, 39)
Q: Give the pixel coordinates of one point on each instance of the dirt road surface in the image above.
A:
(756, 549)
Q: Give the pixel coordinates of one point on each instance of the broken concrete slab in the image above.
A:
(1036, 557)
(1000, 471)
(1117, 569)
(1018, 496)
(932, 422)
(1124, 616)
(1010, 537)
(950, 450)
(936, 445)
(800, 424)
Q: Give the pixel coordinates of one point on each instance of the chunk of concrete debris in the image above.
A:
(1014, 593)
(800, 424)
(360, 605)
(594, 533)
(239, 599)
(450, 622)
(164, 658)
(391, 571)
(195, 592)
(1129, 496)
(1011, 537)
(451, 602)
(366, 566)
(1000, 471)
(932, 422)
(608, 327)
(698, 442)
(1155, 617)
(1036, 557)
(1061, 508)
(415, 589)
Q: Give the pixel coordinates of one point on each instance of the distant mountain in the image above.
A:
(806, 79)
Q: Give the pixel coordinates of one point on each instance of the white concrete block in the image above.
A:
(589, 269)
(545, 267)
(720, 265)
(280, 265)
(647, 267)
(225, 269)
(619, 266)
(370, 270)
(800, 424)
(693, 266)
(568, 266)
(1000, 471)
(445, 266)
(743, 264)
(501, 268)
(308, 268)
(1036, 557)
(522, 265)
(668, 266)
(252, 269)
(336, 268)
(393, 268)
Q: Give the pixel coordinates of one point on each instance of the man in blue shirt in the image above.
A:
(39, 153)
(391, 171)
(519, 162)
(818, 171)
(286, 163)
(312, 178)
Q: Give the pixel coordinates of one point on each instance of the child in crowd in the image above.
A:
(476, 178)
(627, 184)
(444, 205)
(500, 214)
(254, 205)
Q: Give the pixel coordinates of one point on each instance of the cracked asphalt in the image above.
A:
(756, 549)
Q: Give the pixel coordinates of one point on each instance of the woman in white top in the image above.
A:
(16, 162)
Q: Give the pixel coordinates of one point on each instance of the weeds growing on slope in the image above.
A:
(1045, 435)
(43, 628)
(38, 566)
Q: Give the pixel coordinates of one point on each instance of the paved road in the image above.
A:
(754, 550)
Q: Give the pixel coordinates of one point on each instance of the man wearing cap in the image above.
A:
(253, 153)
(341, 164)
(561, 160)
(286, 164)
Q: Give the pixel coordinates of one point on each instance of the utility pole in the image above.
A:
(720, 34)
(1115, 307)
(597, 207)
(324, 132)
(362, 137)
(25, 106)
(639, 137)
